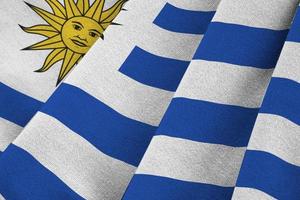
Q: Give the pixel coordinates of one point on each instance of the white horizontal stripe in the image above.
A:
(8, 132)
(168, 44)
(85, 169)
(123, 94)
(289, 62)
(192, 161)
(224, 83)
(198, 5)
(271, 14)
(276, 135)
(241, 193)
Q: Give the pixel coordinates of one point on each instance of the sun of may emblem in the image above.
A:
(71, 30)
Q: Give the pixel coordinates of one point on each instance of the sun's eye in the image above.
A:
(93, 34)
(77, 27)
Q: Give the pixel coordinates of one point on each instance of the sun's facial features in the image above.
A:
(80, 33)
(71, 30)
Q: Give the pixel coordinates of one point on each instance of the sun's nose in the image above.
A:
(83, 38)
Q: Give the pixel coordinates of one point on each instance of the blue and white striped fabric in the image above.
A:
(22, 91)
(199, 146)
(186, 100)
(88, 138)
(271, 167)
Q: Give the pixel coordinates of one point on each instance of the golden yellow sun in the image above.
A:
(71, 30)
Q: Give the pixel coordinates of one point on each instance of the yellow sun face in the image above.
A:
(71, 30)
(80, 33)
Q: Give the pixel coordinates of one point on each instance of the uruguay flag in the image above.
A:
(176, 100)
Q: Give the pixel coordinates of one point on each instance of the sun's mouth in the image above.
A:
(79, 43)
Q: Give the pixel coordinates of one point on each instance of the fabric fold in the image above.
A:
(271, 167)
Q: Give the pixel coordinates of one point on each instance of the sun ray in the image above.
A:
(71, 9)
(54, 42)
(55, 56)
(57, 8)
(44, 30)
(104, 25)
(83, 5)
(95, 10)
(50, 18)
(71, 58)
(110, 14)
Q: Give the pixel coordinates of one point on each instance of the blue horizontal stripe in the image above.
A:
(149, 187)
(153, 70)
(283, 98)
(183, 21)
(270, 174)
(208, 122)
(241, 45)
(114, 134)
(294, 33)
(23, 177)
(16, 106)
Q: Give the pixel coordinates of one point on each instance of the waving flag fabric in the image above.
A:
(177, 100)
